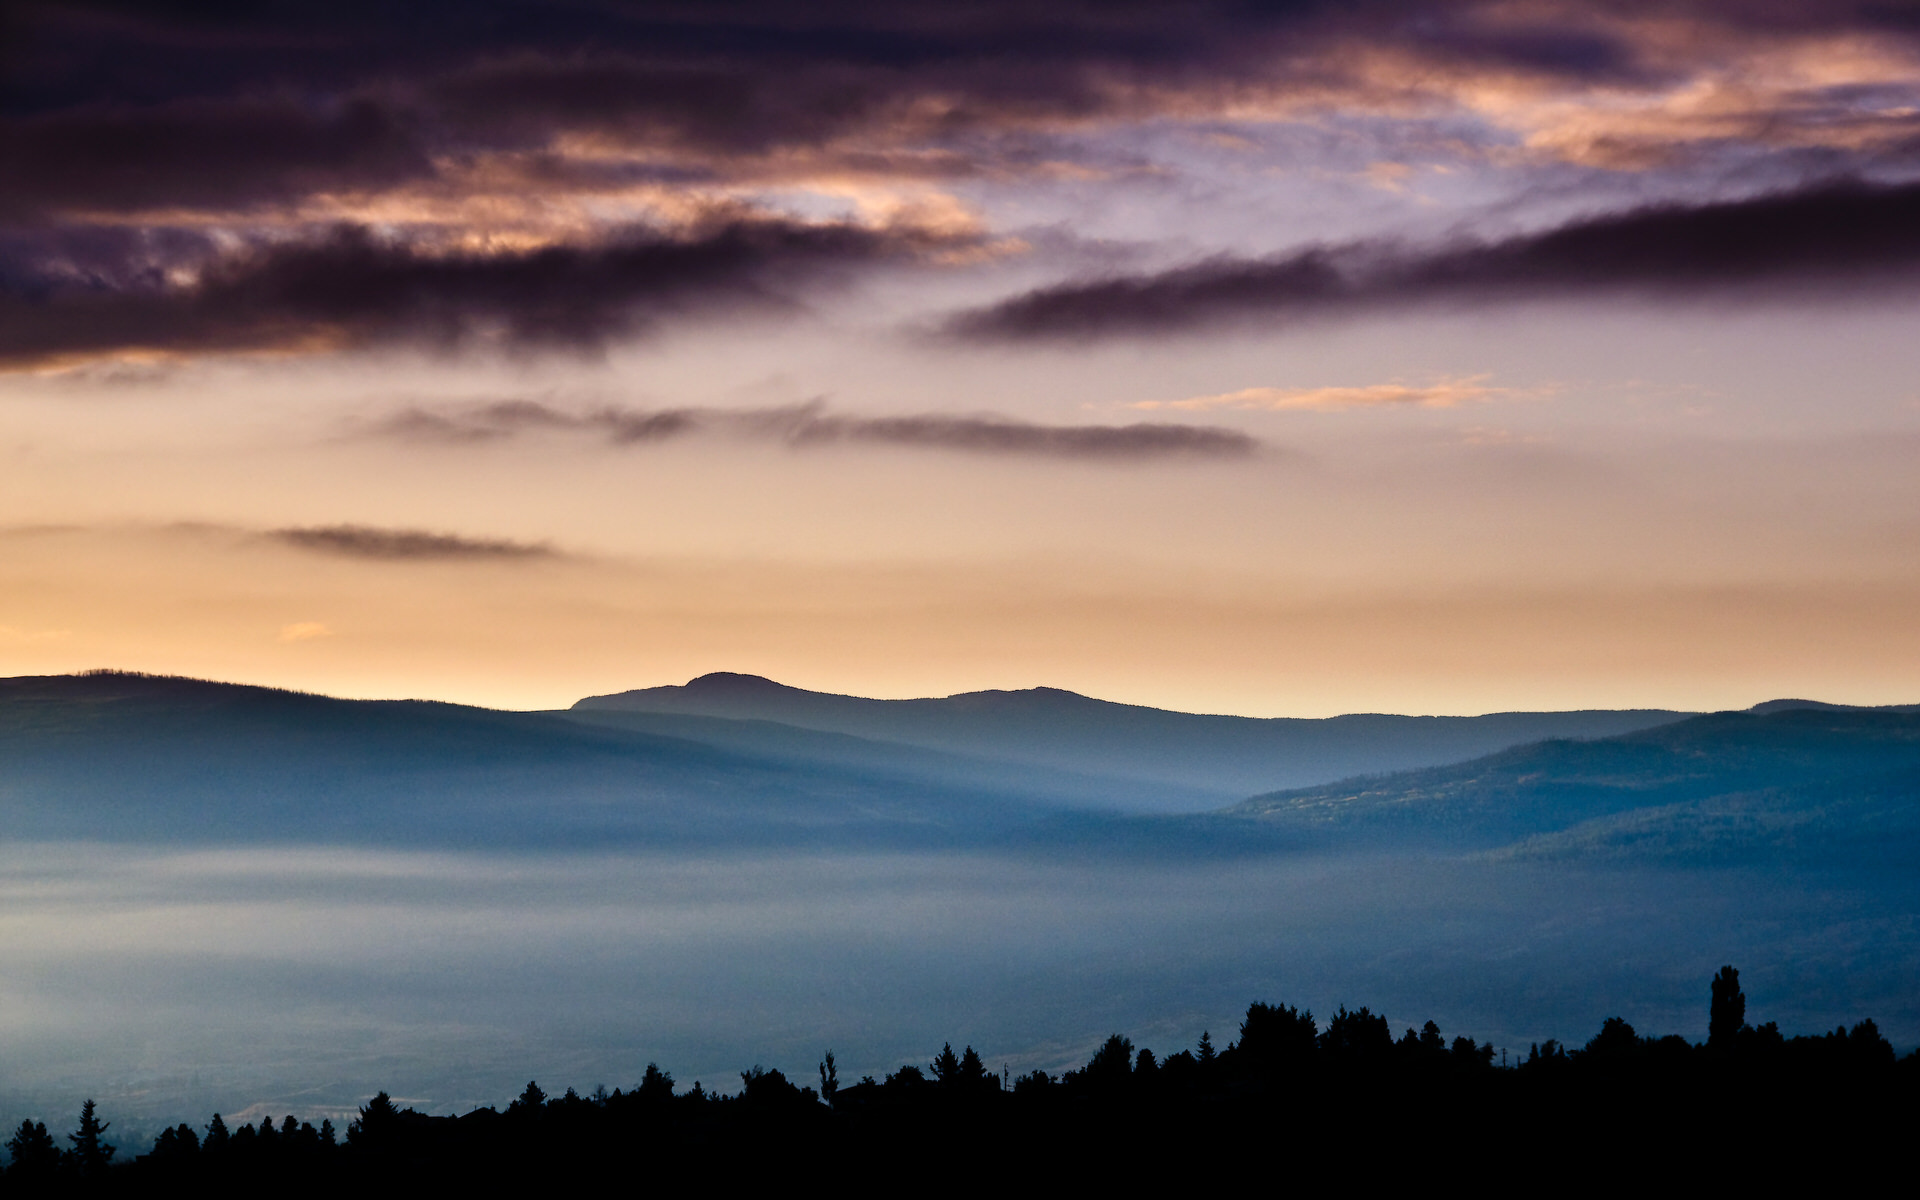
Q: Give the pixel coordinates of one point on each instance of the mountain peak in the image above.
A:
(735, 683)
(1774, 706)
(1786, 705)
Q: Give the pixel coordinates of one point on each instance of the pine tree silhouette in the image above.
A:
(1728, 1013)
(90, 1155)
(33, 1151)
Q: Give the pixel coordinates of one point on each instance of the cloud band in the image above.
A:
(1836, 234)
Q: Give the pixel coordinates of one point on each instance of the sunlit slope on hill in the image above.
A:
(1799, 781)
(1221, 757)
(124, 756)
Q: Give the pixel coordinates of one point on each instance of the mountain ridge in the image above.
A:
(1227, 757)
(137, 756)
(1732, 782)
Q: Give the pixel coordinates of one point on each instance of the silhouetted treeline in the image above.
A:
(1291, 1097)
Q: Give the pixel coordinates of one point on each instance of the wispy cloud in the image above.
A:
(1837, 235)
(364, 541)
(810, 425)
(1444, 393)
(1002, 435)
(350, 288)
(304, 631)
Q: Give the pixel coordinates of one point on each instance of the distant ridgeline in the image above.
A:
(1289, 1098)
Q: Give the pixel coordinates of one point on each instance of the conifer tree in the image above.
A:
(378, 1120)
(90, 1154)
(1728, 1010)
(829, 1078)
(531, 1100)
(973, 1071)
(656, 1086)
(33, 1152)
(946, 1066)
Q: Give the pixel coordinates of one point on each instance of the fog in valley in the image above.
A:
(234, 899)
(173, 983)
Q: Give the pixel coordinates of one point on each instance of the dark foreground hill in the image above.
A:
(1217, 758)
(1795, 780)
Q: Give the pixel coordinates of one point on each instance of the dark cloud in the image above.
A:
(352, 289)
(129, 112)
(200, 154)
(1547, 50)
(362, 541)
(165, 168)
(808, 425)
(109, 107)
(1838, 237)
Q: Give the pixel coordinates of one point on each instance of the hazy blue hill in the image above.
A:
(124, 756)
(1222, 756)
(1788, 776)
(1855, 822)
(797, 744)
(1774, 706)
(142, 758)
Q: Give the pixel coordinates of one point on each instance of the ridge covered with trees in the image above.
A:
(1288, 1088)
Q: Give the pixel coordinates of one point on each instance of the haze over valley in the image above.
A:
(318, 890)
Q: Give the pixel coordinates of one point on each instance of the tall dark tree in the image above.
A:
(1274, 1039)
(973, 1070)
(907, 1078)
(829, 1078)
(769, 1092)
(176, 1145)
(1112, 1064)
(945, 1066)
(1427, 1046)
(33, 1151)
(656, 1086)
(531, 1100)
(90, 1154)
(1033, 1083)
(1545, 1056)
(1615, 1043)
(1868, 1047)
(1728, 1013)
(378, 1124)
(1465, 1053)
(1357, 1036)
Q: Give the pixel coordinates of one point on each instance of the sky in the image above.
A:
(1279, 358)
